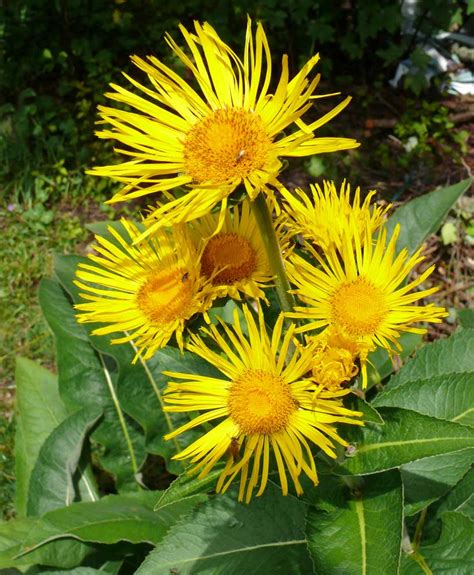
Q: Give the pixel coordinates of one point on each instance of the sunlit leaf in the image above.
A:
(423, 216)
(406, 436)
(51, 483)
(359, 529)
(225, 536)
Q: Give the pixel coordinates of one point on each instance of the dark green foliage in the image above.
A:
(59, 56)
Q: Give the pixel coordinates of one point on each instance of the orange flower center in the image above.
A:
(359, 307)
(166, 294)
(231, 253)
(227, 145)
(260, 402)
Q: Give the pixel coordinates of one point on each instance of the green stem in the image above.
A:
(120, 415)
(267, 231)
(419, 529)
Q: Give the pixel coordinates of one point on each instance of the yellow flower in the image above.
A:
(265, 404)
(361, 291)
(334, 358)
(234, 259)
(228, 132)
(147, 290)
(324, 216)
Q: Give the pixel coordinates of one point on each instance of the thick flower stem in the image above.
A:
(267, 231)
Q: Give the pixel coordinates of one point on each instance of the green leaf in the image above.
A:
(186, 486)
(51, 483)
(88, 379)
(112, 519)
(369, 413)
(423, 216)
(64, 554)
(467, 508)
(459, 495)
(406, 436)
(140, 389)
(426, 480)
(449, 397)
(76, 571)
(357, 530)
(453, 553)
(466, 318)
(225, 536)
(12, 533)
(39, 410)
(442, 357)
(435, 384)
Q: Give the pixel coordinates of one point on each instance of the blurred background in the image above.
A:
(407, 64)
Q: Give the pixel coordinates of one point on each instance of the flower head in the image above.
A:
(228, 132)
(147, 290)
(234, 258)
(265, 404)
(334, 359)
(324, 216)
(361, 291)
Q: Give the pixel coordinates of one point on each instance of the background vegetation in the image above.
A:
(57, 57)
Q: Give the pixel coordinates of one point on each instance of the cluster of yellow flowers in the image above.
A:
(223, 140)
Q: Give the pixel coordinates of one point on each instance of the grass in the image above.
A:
(26, 252)
(37, 222)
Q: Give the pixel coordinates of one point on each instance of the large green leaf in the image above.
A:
(51, 482)
(426, 480)
(112, 519)
(369, 413)
(358, 530)
(406, 436)
(39, 410)
(467, 508)
(76, 571)
(449, 396)
(64, 554)
(422, 216)
(438, 382)
(88, 379)
(442, 357)
(140, 385)
(225, 536)
(453, 553)
(459, 495)
(466, 318)
(409, 566)
(12, 533)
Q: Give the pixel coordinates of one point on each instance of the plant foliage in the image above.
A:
(94, 473)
